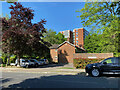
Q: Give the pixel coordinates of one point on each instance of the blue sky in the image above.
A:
(60, 16)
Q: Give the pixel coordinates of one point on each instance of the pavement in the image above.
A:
(51, 69)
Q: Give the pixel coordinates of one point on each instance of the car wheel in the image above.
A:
(95, 72)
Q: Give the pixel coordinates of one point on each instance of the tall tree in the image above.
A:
(20, 36)
(103, 17)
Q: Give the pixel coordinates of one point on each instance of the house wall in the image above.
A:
(65, 53)
(54, 55)
(93, 55)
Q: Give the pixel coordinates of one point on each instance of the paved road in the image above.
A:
(53, 80)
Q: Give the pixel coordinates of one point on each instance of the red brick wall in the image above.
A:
(53, 54)
(80, 37)
(97, 55)
(65, 53)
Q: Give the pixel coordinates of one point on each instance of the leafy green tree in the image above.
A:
(50, 36)
(103, 18)
(91, 43)
(54, 38)
(60, 38)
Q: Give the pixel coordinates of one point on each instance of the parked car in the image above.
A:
(12, 64)
(107, 66)
(36, 63)
(45, 61)
(25, 63)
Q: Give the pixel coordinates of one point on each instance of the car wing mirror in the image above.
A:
(104, 62)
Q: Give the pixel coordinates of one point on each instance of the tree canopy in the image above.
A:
(103, 18)
(54, 38)
(20, 36)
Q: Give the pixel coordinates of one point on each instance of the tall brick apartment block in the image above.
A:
(68, 34)
(76, 37)
(79, 35)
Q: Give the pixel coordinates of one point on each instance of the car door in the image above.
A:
(118, 64)
(108, 66)
(114, 67)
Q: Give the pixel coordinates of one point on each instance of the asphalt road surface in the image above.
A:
(37, 80)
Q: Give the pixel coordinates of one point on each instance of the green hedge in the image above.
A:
(82, 62)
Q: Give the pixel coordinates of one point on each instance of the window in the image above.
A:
(111, 60)
(76, 32)
(108, 61)
(77, 41)
(76, 38)
(76, 35)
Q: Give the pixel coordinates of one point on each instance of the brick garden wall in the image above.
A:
(92, 55)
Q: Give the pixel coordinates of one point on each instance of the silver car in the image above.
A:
(37, 63)
(45, 61)
(25, 63)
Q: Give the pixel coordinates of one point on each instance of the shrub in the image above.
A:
(4, 59)
(82, 62)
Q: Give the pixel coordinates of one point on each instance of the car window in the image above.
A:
(108, 60)
(23, 60)
(111, 60)
(118, 60)
(115, 60)
(26, 61)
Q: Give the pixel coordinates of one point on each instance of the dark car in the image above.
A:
(107, 66)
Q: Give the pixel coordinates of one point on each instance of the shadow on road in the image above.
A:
(68, 81)
(6, 80)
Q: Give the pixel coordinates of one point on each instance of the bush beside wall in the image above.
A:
(82, 62)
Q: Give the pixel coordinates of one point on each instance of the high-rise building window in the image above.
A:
(77, 41)
(76, 38)
(76, 35)
(76, 32)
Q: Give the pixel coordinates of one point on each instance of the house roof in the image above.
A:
(66, 42)
(54, 46)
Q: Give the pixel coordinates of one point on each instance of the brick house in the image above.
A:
(63, 53)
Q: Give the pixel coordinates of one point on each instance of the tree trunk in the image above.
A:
(8, 62)
(18, 60)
